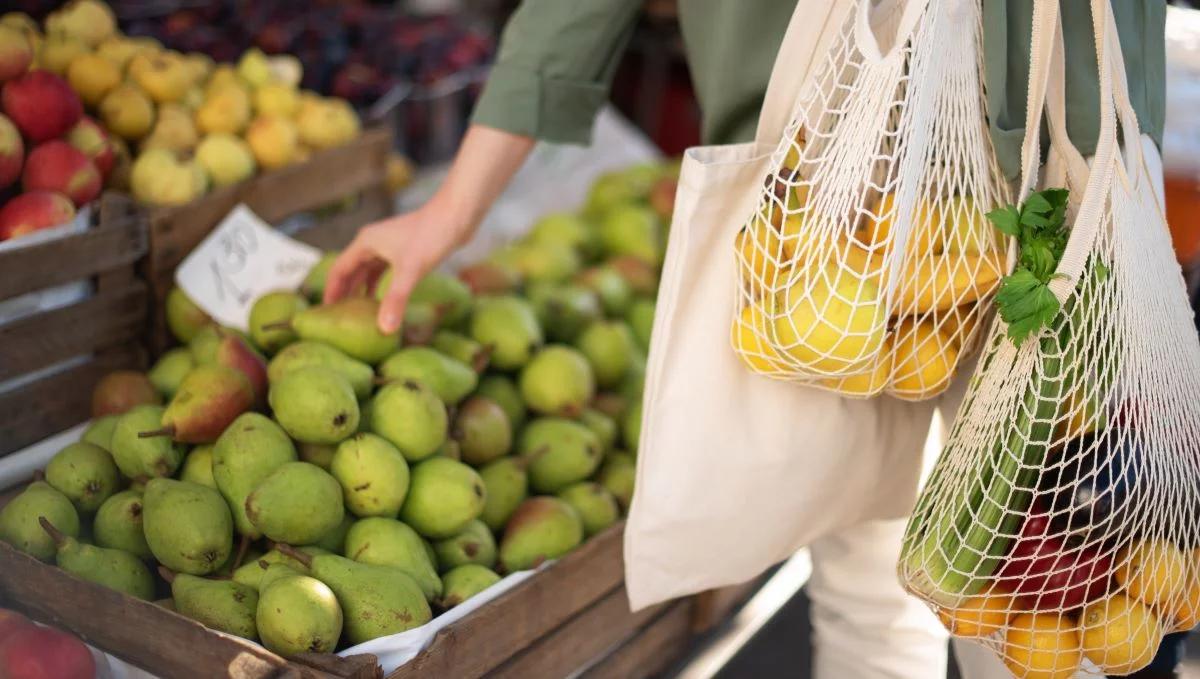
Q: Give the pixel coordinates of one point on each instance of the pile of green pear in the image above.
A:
(314, 483)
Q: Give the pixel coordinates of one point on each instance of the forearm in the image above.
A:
(484, 165)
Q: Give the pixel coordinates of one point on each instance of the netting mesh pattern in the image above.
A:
(868, 264)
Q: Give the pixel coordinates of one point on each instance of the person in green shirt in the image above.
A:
(555, 66)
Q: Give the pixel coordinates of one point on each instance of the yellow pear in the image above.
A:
(253, 68)
(966, 230)
(159, 177)
(58, 51)
(331, 123)
(127, 112)
(222, 76)
(174, 130)
(119, 50)
(286, 70)
(830, 321)
(199, 65)
(869, 382)
(945, 281)
(226, 159)
(923, 359)
(164, 76)
(194, 99)
(225, 110)
(272, 139)
(276, 99)
(761, 256)
(749, 336)
(959, 323)
(89, 21)
(92, 76)
(874, 230)
(400, 172)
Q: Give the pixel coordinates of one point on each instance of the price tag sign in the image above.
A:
(241, 260)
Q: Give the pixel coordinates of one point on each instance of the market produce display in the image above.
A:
(29, 651)
(87, 108)
(868, 264)
(315, 483)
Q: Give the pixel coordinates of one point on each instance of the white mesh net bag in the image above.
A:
(1060, 525)
(868, 262)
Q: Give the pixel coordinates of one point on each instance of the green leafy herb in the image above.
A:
(1024, 300)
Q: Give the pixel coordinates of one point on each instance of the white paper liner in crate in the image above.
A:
(51, 298)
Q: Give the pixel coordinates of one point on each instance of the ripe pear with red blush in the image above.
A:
(490, 278)
(16, 52)
(208, 400)
(233, 352)
(34, 211)
(121, 390)
(42, 105)
(12, 152)
(94, 142)
(58, 166)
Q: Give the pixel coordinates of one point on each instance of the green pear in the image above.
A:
(504, 392)
(387, 542)
(100, 431)
(613, 405)
(373, 474)
(313, 286)
(632, 230)
(482, 431)
(490, 277)
(198, 466)
(188, 526)
(617, 188)
(596, 506)
(222, 605)
(450, 379)
(542, 528)
(634, 383)
(111, 568)
(349, 325)
(304, 354)
(640, 317)
(203, 346)
(557, 381)
(443, 497)
(247, 453)
(298, 503)
(85, 473)
(450, 449)
(464, 582)
(118, 524)
(603, 426)
(609, 347)
(273, 572)
(251, 573)
(411, 417)
(19, 525)
(377, 601)
(298, 614)
(509, 325)
(560, 452)
(210, 397)
(474, 545)
(566, 229)
(366, 410)
(320, 454)
(564, 309)
(631, 427)
(315, 405)
(138, 456)
(610, 287)
(617, 476)
(507, 485)
(169, 370)
(184, 318)
(335, 540)
(436, 289)
(271, 317)
(463, 348)
(550, 262)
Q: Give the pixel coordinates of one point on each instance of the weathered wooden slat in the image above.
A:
(115, 242)
(59, 401)
(139, 632)
(96, 323)
(584, 637)
(483, 640)
(649, 650)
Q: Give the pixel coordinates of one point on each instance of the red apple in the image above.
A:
(45, 653)
(10, 622)
(42, 105)
(89, 137)
(29, 212)
(662, 197)
(58, 166)
(16, 53)
(12, 152)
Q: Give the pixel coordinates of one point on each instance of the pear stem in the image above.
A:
(39, 475)
(166, 574)
(55, 534)
(241, 552)
(481, 359)
(277, 325)
(294, 553)
(168, 431)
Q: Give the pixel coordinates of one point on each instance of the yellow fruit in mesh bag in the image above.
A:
(1187, 615)
(943, 282)
(1079, 413)
(1153, 571)
(830, 320)
(964, 228)
(761, 256)
(875, 229)
(748, 336)
(867, 383)
(924, 359)
(980, 615)
(1120, 635)
(1042, 646)
(959, 323)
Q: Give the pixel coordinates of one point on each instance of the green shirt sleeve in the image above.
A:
(556, 63)
(1006, 40)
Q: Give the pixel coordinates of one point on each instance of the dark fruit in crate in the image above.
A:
(42, 105)
(34, 211)
(40, 652)
(121, 390)
(60, 167)
(1092, 485)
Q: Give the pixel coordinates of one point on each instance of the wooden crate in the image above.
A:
(353, 174)
(98, 333)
